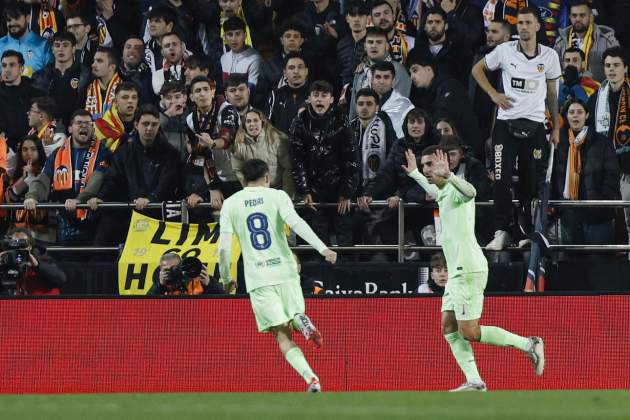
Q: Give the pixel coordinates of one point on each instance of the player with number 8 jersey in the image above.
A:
(257, 215)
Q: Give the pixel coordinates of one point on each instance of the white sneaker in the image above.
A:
(314, 386)
(536, 354)
(471, 387)
(500, 242)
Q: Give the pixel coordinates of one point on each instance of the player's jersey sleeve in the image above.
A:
(431, 189)
(553, 68)
(494, 58)
(296, 223)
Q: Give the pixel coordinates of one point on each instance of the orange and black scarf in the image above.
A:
(95, 104)
(511, 8)
(47, 21)
(63, 174)
(41, 133)
(604, 119)
(574, 164)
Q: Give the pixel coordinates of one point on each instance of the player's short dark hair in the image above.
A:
(46, 105)
(321, 86)
(79, 113)
(112, 57)
(202, 79)
(234, 24)
(172, 86)
(367, 92)
(383, 66)
(373, 31)
(431, 150)
(235, 79)
(126, 86)
(529, 10)
(13, 53)
(62, 36)
(162, 12)
(577, 3)
(292, 55)
(357, 8)
(147, 109)
(15, 9)
(378, 3)
(438, 260)
(616, 52)
(254, 169)
(435, 11)
(575, 50)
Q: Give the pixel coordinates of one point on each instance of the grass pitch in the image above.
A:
(338, 406)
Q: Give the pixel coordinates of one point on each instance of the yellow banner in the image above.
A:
(148, 239)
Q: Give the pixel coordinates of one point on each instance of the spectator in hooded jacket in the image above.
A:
(324, 164)
(591, 38)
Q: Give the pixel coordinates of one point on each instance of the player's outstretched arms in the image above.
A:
(412, 171)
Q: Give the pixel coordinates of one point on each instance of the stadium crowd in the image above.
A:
(162, 100)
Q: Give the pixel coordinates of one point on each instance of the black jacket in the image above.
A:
(349, 54)
(323, 155)
(465, 23)
(358, 134)
(454, 59)
(66, 89)
(134, 172)
(391, 179)
(284, 104)
(599, 179)
(449, 99)
(15, 101)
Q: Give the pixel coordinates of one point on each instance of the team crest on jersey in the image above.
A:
(540, 67)
(537, 154)
(74, 83)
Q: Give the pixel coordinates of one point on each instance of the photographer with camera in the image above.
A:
(187, 276)
(25, 270)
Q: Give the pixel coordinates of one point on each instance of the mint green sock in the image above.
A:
(500, 337)
(296, 359)
(462, 351)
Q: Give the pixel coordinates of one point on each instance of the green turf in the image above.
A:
(338, 406)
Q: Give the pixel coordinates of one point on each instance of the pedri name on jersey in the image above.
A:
(254, 202)
(524, 85)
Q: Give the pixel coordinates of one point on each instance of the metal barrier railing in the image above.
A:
(400, 248)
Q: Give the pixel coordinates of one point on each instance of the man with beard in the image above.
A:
(391, 102)
(65, 178)
(133, 69)
(377, 50)
(497, 32)
(449, 54)
(16, 94)
(529, 74)
(174, 64)
(116, 125)
(64, 80)
(34, 49)
(589, 37)
(384, 17)
(285, 102)
(100, 93)
(324, 164)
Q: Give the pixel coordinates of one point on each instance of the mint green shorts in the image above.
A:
(277, 305)
(463, 295)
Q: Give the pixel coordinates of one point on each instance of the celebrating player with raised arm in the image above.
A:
(462, 302)
(257, 215)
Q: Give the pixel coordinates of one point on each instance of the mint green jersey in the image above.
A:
(257, 216)
(457, 215)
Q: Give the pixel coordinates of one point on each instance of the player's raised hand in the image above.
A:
(411, 162)
(441, 167)
(329, 255)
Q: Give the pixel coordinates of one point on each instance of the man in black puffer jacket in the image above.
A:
(324, 163)
(146, 169)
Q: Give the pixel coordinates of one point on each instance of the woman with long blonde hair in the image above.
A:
(258, 138)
